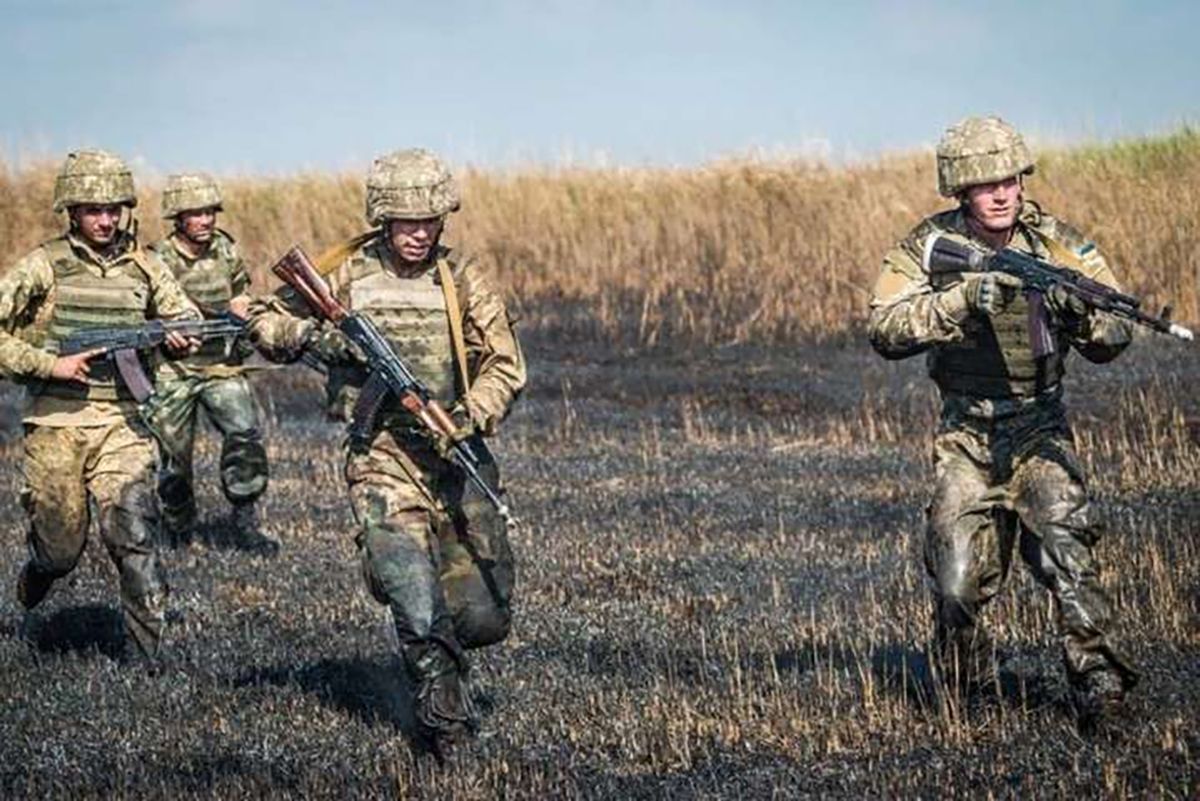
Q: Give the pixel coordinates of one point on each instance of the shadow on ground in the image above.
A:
(372, 690)
(78, 629)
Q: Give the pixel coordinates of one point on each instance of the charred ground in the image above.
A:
(720, 596)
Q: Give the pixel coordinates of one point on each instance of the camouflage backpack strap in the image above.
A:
(332, 258)
(450, 292)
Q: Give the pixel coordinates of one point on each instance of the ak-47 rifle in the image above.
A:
(944, 255)
(388, 372)
(122, 345)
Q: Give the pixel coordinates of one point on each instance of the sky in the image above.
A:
(278, 86)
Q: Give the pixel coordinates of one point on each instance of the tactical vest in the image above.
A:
(995, 357)
(411, 314)
(84, 300)
(208, 281)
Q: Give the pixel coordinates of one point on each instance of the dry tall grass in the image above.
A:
(731, 252)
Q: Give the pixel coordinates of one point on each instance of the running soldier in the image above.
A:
(1006, 472)
(83, 435)
(432, 548)
(206, 262)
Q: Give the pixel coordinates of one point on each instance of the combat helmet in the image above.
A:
(979, 150)
(93, 177)
(409, 185)
(190, 191)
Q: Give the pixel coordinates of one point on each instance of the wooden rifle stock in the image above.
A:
(298, 272)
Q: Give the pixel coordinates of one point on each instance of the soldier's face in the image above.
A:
(197, 225)
(413, 239)
(98, 224)
(995, 205)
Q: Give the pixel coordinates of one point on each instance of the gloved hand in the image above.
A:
(464, 428)
(1069, 308)
(333, 347)
(982, 293)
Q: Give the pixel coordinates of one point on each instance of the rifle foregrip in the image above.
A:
(441, 417)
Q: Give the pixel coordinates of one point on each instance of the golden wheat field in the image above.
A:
(721, 488)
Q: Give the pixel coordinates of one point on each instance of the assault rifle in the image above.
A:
(122, 345)
(944, 255)
(388, 372)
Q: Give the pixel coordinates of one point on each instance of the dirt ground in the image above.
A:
(720, 596)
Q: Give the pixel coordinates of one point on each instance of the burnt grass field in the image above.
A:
(720, 596)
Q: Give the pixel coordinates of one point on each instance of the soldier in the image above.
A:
(432, 550)
(1006, 472)
(206, 262)
(83, 436)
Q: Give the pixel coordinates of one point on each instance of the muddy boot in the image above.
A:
(1098, 696)
(32, 586)
(442, 702)
(178, 529)
(248, 533)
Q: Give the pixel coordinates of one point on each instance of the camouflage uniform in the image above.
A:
(1006, 472)
(432, 548)
(86, 440)
(212, 378)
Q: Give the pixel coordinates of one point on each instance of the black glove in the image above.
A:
(990, 293)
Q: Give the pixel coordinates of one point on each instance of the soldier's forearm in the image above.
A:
(20, 359)
(911, 326)
(1103, 338)
(492, 396)
(279, 336)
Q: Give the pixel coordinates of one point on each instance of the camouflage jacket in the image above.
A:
(910, 314)
(27, 304)
(281, 326)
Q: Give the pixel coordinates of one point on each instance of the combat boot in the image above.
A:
(445, 714)
(1097, 696)
(178, 528)
(246, 528)
(32, 586)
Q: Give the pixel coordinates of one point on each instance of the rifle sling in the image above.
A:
(332, 258)
(450, 292)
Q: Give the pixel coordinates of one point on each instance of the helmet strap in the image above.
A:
(128, 224)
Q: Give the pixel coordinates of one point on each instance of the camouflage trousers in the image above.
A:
(230, 406)
(115, 465)
(1005, 484)
(432, 548)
